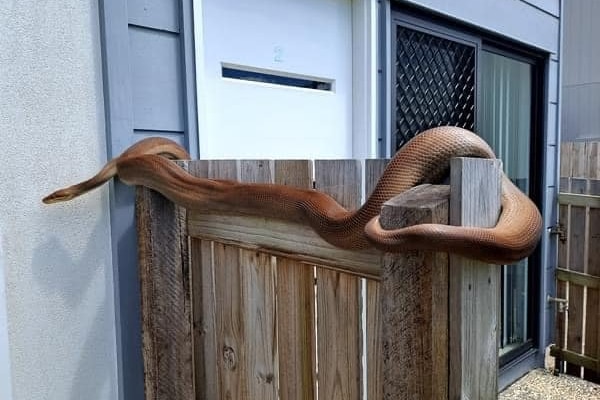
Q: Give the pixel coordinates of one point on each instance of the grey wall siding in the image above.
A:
(550, 6)
(581, 71)
(149, 84)
(535, 23)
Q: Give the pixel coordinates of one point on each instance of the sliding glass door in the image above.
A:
(461, 78)
(505, 122)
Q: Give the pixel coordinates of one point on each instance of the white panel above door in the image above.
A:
(308, 39)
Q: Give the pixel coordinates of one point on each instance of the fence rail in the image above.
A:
(252, 308)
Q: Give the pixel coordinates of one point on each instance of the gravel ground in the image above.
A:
(540, 384)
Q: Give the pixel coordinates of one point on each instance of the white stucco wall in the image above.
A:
(56, 260)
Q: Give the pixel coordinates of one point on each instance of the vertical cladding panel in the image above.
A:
(553, 80)
(581, 31)
(158, 14)
(157, 81)
(149, 82)
(550, 6)
(552, 125)
(579, 112)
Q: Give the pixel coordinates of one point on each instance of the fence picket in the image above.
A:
(577, 249)
(338, 336)
(592, 323)
(258, 276)
(373, 170)
(295, 305)
(259, 322)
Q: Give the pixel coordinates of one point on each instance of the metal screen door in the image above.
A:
(434, 83)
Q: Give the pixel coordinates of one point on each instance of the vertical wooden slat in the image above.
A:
(566, 150)
(578, 160)
(592, 323)
(229, 324)
(373, 170)
(374, 362)
(165, 290)
(474, 291)
(414, 303)
(258, 277)
(295, 305)
(338, 342)
(259, 320)
(577, 248)
(563, 262)
(204, 338)
(592, 157)
(231, 357)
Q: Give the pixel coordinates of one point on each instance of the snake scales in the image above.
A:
(424, 159)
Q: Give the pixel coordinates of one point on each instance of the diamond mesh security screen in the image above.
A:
(435, 84)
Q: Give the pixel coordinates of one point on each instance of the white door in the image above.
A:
(265, 114)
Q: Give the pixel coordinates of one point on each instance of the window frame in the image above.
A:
(430, 28)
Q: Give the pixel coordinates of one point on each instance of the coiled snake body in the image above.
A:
(425, 159)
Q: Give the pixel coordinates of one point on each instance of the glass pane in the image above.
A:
(504, 120)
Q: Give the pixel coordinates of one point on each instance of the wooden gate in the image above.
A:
(577, 346)
(240, 307)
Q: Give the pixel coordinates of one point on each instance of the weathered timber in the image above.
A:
(338, 335)
(281, 238)
(258, 292)
(578, 249)
(374, 362)
(204, 338)
(474, 291)
(592, 322)
(165, 291)
(414, 308)
(295, 305)
(578, 330)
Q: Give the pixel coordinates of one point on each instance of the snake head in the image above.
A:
(59, 196)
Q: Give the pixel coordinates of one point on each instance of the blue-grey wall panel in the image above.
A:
(513, 19)
(581, 61)
(580, 112)
(156, 73)
(553, 80)
(550, 6)
(149, 90)
(158, 14)
(552, 124)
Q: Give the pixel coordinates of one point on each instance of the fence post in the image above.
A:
(414, 303)
(165, 297)
(474, 286)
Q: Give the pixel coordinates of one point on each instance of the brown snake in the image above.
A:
(425, 159)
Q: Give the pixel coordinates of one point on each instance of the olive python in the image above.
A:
(424, 159)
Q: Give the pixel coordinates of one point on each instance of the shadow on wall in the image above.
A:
(75, 281)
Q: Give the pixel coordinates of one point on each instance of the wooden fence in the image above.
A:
(240, 307)
(577, 348)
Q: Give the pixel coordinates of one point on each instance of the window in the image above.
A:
(443, 76)
(505, 123)
(435, 83)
